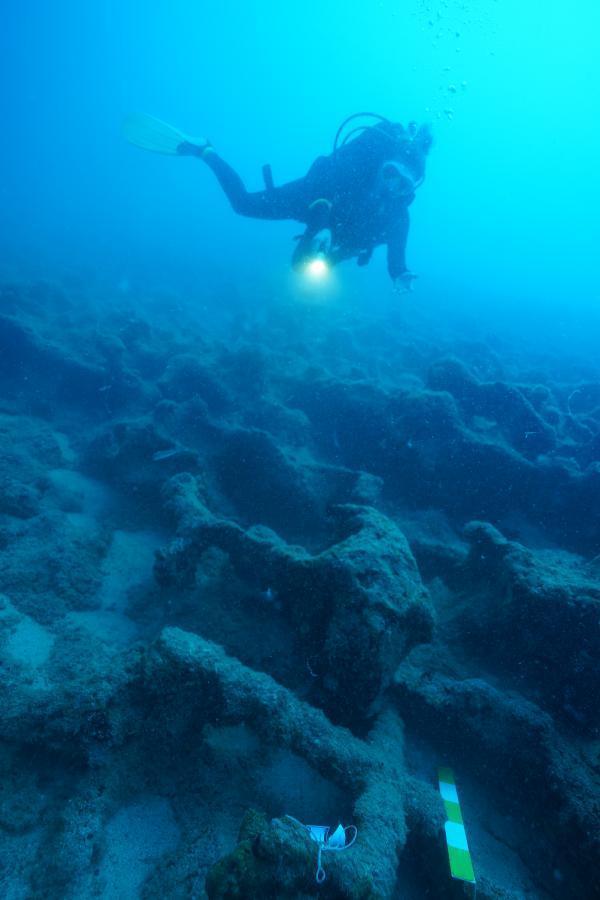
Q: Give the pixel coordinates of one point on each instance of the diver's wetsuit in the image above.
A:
(360, 218)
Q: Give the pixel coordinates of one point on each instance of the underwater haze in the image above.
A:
(509, 206)
(299, 558)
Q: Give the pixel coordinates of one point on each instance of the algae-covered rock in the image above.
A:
(53, 566)
(22, 802)
(187, 376)
(308, 473)
(195, 681)
(380, 607)
(277, 860)
(538, 617)
(19, 500)
(264, 481)
(504, 738)
(357, 607)
(506, 405)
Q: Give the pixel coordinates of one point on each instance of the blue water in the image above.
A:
(373, 517)
(505, 223)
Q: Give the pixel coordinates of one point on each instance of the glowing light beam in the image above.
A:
(317, 268)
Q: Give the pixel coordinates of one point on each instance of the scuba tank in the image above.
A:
(267, 172)
(358, 129)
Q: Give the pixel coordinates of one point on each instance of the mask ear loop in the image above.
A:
(354, 836)
(321, 875)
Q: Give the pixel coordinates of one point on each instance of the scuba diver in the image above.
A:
(350, 202)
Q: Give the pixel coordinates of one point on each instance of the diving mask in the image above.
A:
(397, 179)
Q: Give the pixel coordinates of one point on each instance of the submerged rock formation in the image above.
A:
(279, 575)
(356, 608)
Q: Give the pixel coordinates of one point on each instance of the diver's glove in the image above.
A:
(404, 283)
(311, 246)
(321, 243)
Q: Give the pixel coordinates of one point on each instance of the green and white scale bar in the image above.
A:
(461, 866)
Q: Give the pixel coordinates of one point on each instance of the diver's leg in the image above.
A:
(286, 202)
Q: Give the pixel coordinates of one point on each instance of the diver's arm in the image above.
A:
(396, 253)
(396, 246)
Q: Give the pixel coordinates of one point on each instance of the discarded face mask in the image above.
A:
(338, 840)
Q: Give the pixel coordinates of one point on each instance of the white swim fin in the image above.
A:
(150, 133)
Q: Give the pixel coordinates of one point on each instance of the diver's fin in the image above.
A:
(152, 134)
